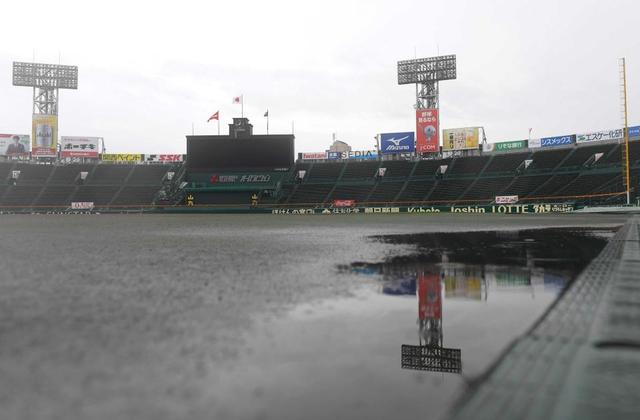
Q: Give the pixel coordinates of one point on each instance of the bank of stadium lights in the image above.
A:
(425, 73)
(46, 80)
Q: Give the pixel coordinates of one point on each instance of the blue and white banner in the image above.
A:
(634, 131)
(605, 135)
(391, 143)
(557, 141)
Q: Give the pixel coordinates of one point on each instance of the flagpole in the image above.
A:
(242, 106)
(267, 122)
(218, 125)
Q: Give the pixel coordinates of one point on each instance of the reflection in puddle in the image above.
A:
(467, 266)
(451, 305)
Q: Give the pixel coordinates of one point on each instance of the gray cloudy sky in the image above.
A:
(149, 69)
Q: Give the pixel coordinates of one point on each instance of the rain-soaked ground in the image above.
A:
(270, 317)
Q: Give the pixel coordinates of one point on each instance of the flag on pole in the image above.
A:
(215, 116)
(266, 114)
(237, 99)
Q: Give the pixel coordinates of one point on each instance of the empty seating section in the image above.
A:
(614, 156)
(360, 170)
(68, 174)
(18, 196)
(148, 174)
(397, 168)
(55, 195)
(581, 155)
(99, 195)
(109, 174)
(33, 174)
(325, 172)
(429, 167)
(351, 192)
(449, 190)
(588, 184)
(486, 189)
(468, 165)
(385, 192)
(310, 194)
(507, 162)
(549, 159)
(554, 185)
(524, 185)
(5, 170)
(135, 195)
(415, 191)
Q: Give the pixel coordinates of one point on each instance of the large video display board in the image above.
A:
(205, 153)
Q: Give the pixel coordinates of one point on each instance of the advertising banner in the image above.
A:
(14, 144)
(460, 138)
(510, 145)
(344, 203)
(535, 143)
(427, 130)
(163, 158)
(44, 135)
(506, 199)
(82, 205)
(634, 131)
(313, 156)
(354, 154)
(615, 134)
(121, 157)
(391, 143)
(429, 296)
(79, 147)
(557, 141)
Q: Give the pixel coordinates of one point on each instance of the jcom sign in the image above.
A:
(391, 143)
(427, 131)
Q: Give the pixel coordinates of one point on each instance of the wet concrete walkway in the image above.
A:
(582, 359)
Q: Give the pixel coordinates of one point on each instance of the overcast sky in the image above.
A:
(147, 70)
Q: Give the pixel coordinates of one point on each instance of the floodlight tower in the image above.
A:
(425, 73)
(46, 80)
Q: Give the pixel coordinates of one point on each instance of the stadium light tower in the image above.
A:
(425, 73)
(46, 81)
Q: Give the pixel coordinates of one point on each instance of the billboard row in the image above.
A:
(44, 135)
(460, 138)
(391, 143)
(86, 147)
(14, 144)
(427, 140)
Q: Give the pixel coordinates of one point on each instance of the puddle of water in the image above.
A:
(408, 341)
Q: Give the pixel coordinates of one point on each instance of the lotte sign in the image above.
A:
(427, 140)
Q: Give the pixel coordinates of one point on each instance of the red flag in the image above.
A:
(237, 99)
(214, 116)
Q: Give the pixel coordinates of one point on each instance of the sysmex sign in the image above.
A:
(397, 143)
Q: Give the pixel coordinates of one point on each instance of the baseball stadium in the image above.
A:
(246, 279)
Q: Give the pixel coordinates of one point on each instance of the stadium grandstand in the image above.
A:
(581, 174)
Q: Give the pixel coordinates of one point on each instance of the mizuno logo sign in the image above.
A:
(397, 141)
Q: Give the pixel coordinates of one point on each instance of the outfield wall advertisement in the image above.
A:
(44, 135)
(460, 138)
(121, 157)
(557, 141)
(14, 144)
(500, 209)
